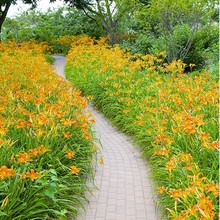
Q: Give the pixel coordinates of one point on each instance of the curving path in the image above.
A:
(59, 65)
(124, 189)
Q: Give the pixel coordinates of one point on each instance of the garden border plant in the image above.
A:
(171, 115)
(46, 138)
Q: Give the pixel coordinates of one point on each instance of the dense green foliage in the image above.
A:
(50, 25)
(6, 4)
(109, 14)
(205, 47)
(176, 27)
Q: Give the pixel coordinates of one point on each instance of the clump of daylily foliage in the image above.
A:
(173, 116)
(46, 146)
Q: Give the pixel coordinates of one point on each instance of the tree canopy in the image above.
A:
(5, 5)
(50, 25)
(175, 23)
(107, 13)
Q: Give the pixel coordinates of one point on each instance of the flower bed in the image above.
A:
(46, 146)
(171, 115)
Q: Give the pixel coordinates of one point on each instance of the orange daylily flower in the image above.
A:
(3, 130)
(163, 152)
(42, 120)
(70, 154)
(176, 193)
(38, 150)
(35, 152)
(171, 164)
(23, 123)
(214, 145)
(74, 170)
(44, 149)
(161, 189)
(190, 166)
(26, 112)
(205, 136)
(6, 172)
(92, 121)
(24, 157)
(66, 134)
(185, 157)
(87, 136)
(66, 122)
(40, 132)
(85, 126)
(163, 138)
(32, 175)
(126, 111)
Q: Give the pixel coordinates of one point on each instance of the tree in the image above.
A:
(50, 25)
(174, 23)
(107, 13)
(5, 5)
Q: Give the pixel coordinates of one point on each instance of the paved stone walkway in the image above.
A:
(124, 190)
(59, 65)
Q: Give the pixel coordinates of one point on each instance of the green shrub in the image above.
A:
(204, 49)
(49, 25)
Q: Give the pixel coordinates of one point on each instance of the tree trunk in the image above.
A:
(112, 37)
(0, 32)
(3, 14)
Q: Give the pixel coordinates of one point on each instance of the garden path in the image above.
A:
(59, 65)
(124, 189)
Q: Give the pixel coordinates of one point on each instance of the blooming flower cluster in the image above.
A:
(45, 136)
(172, 115)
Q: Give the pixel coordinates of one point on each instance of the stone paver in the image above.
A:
(59, 65)
(123, 188)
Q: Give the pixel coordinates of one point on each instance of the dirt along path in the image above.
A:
(124, 189)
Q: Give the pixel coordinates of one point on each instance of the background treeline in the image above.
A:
(183, 29)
